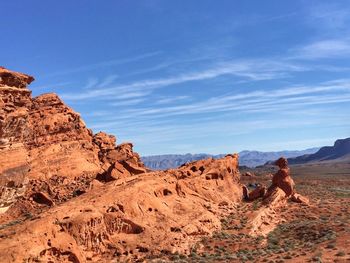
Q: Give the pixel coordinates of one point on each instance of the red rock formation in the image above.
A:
(151, 212)
(104, 141)
(258, 192)
(15, 102)
(282, 178)
(266, 218)
(284, 181)
(274, 198)
(51, 121)
(298, 198)
(43, 141)
(118, 162)
(14, 79)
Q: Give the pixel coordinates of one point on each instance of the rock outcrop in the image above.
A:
(131, 217)
(14, 79)
(273, 199)
(46, 148)
(281, 180)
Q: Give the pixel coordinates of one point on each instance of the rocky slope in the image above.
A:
(133, 216)
(246, 158)
(68, 195)
(338, 152)
(42, 140)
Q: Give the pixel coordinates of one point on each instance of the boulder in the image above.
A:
(298, 198)
(104, 141)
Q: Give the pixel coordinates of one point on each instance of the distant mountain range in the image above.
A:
(255, 158)
(338, 152)
(246, 158)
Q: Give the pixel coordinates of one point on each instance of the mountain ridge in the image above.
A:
(339, 151)
(246, 158)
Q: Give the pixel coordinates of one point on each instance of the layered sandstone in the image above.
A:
(130, 217)
(46, 148)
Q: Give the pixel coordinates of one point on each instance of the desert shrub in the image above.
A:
(340, 254)
(256, 205)
(221, 235)
(330, 246)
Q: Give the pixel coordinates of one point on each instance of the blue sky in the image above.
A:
(190, 76)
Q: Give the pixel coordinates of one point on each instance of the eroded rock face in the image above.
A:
(51, 121)
(15, 104)
(118, 162)
(128, 217)
(259, 191)
(14, 79)
(43, 142)
(104, 141)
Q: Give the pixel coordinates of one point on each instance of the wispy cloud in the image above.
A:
(254, 70)
(259, 100)
(329, 48)
(103, 64)
(331, 36)
(291, 107)
(167, 100)
(127, 102)
(92, 82)
(107, 81)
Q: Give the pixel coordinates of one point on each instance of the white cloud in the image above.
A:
(129, 102)
(260, 100)
(107, 81)
(330, 48)
(103, 64)
(167, 100)
(92, 82)
(149, 133)
(291, 107)
(247, 69)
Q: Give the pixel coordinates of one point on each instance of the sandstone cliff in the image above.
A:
(46, 148)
